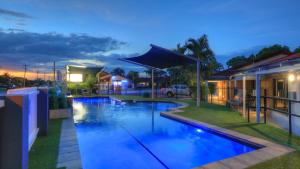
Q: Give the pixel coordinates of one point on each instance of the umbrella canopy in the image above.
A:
(160, 58)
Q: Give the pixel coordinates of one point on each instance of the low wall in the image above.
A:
(60, 113)
(282, 120)
(32, 110)
(2, 103)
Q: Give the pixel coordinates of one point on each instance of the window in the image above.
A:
(280, 90)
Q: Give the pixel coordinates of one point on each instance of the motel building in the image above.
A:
(106, 83)
(265, 91)
(78, 74)
(111, 84)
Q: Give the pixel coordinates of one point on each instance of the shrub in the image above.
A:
(53, 102)
(146, 95)
(57, 101)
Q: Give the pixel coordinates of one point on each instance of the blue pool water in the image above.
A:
(127, 135)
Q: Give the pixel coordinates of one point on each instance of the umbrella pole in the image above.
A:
(198, 82)
(152, 82)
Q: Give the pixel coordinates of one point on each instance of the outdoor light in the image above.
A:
(199, 130)
(76, 78)
(117, 83)
(291, 77)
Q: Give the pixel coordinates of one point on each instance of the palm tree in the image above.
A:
(200, 49)
(180, 49)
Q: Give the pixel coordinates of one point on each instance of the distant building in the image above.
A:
(59, 76)
(80, 73)
(109, 83)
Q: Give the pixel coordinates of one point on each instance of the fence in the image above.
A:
(24, 114)
(280, 105)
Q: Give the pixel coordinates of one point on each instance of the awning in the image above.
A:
(160, 58)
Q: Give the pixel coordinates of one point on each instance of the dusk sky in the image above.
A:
(97, 32)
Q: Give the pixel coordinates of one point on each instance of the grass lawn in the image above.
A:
(43, 154)
(227, 118)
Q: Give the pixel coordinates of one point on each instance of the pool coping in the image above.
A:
(266, 149)
(69, 152)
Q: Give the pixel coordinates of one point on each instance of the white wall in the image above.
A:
(32, 106)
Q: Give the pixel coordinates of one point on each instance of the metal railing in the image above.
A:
(286, 111)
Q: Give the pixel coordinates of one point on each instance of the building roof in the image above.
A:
(268, 63)
(83, 69)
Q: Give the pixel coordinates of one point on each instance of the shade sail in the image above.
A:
(161, 58)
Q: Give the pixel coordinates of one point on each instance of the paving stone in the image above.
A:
(234, 163)
(69, 155)
(248, 159)
(74, 164)
(216, 165)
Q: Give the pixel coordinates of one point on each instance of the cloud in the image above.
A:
(16, 14)
(40, 50)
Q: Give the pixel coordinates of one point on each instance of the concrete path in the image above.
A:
(69, 155)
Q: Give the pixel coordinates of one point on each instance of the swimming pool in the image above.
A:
(115, 134)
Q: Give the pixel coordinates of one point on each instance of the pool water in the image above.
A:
(128, 135)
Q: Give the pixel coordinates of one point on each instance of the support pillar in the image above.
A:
(42, 111)
(229, 89)
(152, 83)
(244, 96)
(198, 82)
(257, 81)
(235, 83)
(206, 91)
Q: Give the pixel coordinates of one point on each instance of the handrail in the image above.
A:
(287, 112)
(277, 98)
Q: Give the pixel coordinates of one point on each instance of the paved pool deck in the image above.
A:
(69, 154)
(267, 150)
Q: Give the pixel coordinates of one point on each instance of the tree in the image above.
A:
(90, 81)
(133, 75)
(157, 73)
(297, 50)
(180, 49)
(118, 71)
(271, 51)
(264, 53)
(200, 49)
(178, 75)
(237, 61)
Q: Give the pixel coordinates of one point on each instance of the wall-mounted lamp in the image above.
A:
(291, 77)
